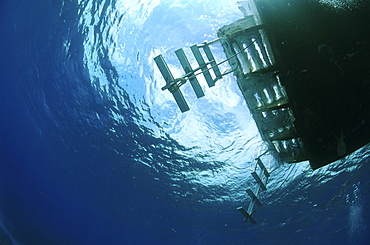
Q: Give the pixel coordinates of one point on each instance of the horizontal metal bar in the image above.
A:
(211, 59)
(262, 166)
(188, 70)
(209, 43)
(171, 83)
(259, 181)
(163, 68)
(254, 197)
(202, 64)
(180, 100)
(247, 216)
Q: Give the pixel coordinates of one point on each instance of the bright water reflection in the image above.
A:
(217, 136)
(121, 40)
(127, 162)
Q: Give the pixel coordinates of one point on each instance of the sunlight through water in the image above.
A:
(99, 153)
(121, 40)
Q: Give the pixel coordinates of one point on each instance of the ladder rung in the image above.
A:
(163, 68)
(211, 58)
(262, 166)
(247, 216)
(180, 100)
(187, 68)
(259, 181)
(254, 197)
(168, 77)
(202, 64)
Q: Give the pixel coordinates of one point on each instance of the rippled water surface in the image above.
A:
(94, 152)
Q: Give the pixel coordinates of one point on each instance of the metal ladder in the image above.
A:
(206, 62)
(261, 178)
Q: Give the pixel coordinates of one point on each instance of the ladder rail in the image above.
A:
(261, 182)
(182, 80)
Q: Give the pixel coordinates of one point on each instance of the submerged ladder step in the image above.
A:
(254, 197)
(170, 83)
(259, 181)
(262, 166)
(202, 64)
(211, 58)
(188, 70)
(206, 62)
(247, 216)
(163, 68)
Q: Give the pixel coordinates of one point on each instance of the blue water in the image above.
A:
(93, 152)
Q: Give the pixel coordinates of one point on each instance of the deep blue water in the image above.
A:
(93, 152)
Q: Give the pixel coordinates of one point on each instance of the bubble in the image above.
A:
(356, 222)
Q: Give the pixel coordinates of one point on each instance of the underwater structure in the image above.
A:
(303, 68)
